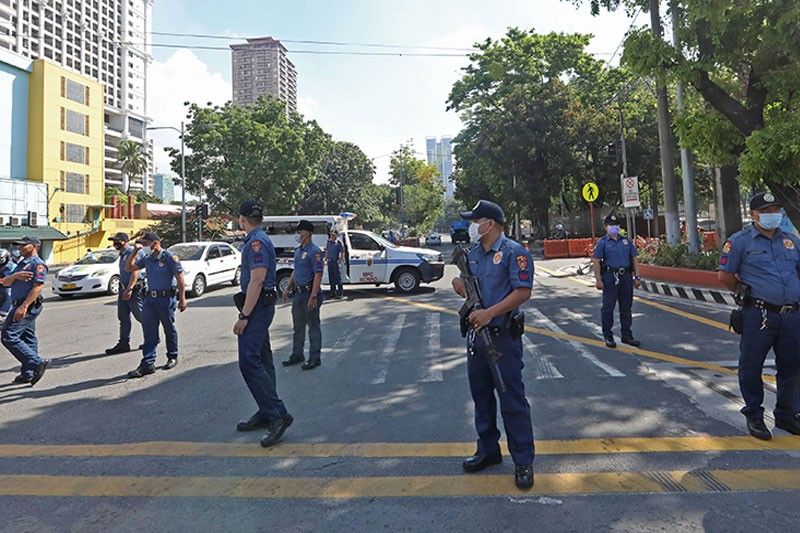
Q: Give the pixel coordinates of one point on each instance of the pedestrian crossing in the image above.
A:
(426, 348)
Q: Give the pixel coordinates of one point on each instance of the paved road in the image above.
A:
(627, 439)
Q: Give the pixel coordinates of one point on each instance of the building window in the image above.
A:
(74, 213)
(74, 122)
(75, 182)
(74, 153)
(77, 92)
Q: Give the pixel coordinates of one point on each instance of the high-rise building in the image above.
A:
(164, 188)
(440, 154)
(105, 40)
(261, 67)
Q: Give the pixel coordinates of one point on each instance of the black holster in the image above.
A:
(736, 322)
(517, 327)
(268, 298)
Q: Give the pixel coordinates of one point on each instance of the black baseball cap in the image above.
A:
(251, 208)
(149, 236)
(485, 209)
(611, 220)
(27, 240)
(305, 225)
(762, 200)
(119, 237)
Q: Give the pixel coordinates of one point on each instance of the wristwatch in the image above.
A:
(637, 278)
(243, 316)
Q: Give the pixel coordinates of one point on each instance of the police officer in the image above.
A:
(333, 255)
(257, 302)
(130, 297)
(767, 260)
(616, 272)
(7, 266)
(165, 291)
(505, 274)
(305, 283)
(19, 328)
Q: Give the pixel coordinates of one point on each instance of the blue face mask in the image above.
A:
(613, 230)
(770, 221)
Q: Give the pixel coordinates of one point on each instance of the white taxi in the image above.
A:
(208, 263)
(95, 273)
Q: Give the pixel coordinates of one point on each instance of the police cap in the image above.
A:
(251, 208)
(611, 220)
(485, 209)
(149, 236)
(119, 237)
(305, 225)
(762, 200)
(27, 240)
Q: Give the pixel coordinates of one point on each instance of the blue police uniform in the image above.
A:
(133, 306)
(616, 260)
(5, 292)
(307, 263)
(19, 336)
(160, 303)
(255, 353)
(505, 267)
(332, 252)
(770, 267)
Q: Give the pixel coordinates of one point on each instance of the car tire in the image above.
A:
(407, 280)
(113, 285)
(282, 282)
(198, 286)
(237, 278)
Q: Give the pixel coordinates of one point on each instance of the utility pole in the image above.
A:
(687, 159)
(629, 216)
(665, 140)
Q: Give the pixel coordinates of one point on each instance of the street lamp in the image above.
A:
(183, 176)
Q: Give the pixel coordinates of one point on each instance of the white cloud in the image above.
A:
(307, 106)
(183, 77)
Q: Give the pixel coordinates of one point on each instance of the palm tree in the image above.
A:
(133, 160)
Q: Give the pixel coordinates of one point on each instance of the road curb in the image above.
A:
(685, 292)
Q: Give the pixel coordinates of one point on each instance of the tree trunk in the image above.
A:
(789, 197)
(726, 202)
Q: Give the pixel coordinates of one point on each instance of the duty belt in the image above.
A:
(619, 271)
(161, 294)
(36, 303)
(299, 289)
(780, 309)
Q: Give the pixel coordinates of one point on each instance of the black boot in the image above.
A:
(121, 347)
(758, 428)
(523, 477)
(142, 371)
(479, 461)
(631, 341)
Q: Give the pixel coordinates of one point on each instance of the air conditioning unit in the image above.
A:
(14, 221)
(33, 218)
(3, 221)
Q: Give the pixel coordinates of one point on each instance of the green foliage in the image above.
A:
(422, 193)
(256, 151)
(169, 229)
(146, 198)
(660, 253)
(133, 159)
(112, 191)
(773, 151)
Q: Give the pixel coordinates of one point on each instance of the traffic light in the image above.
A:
(201, 210)
(205, 210)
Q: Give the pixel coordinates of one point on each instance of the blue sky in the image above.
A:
(375, 102)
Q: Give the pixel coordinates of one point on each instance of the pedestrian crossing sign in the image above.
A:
(590, 191)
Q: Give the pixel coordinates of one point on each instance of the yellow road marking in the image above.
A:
(570, 483)
(620, 445)
(622, 348)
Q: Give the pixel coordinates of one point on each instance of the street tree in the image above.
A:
(419, 193)
(133, 160)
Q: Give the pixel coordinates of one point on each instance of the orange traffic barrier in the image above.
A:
(709, 240)
(556, 248)
(579, 247)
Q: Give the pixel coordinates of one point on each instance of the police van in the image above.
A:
(369, 259)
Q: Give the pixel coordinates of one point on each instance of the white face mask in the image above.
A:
(297, 238)
(474, 232)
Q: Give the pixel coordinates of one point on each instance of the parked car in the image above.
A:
(208, 263)
(433, 239)
(95, 273)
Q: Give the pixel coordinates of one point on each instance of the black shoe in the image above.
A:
(121, 347)
(758, 429)
(523, 477)
(172, 362)
(142, 371)
(276, 430)
(292, 361)
(631, 341)
(479, 461)
(610, 343)
(792, 425)
(308, 365)
(254, 422)
(23, 378)
(38, 372)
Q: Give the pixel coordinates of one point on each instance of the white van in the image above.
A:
(369, 259)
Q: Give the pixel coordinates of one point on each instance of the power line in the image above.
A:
(308, 41)
(622, 41)
(313, 52)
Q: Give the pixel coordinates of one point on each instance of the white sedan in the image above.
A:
(433, 239)
(94, 273)
(208, 263)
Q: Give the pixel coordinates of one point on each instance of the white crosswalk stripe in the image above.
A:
(333, 354)
(584, 321)
(579, 348)
(384, 359)
(542, 367)
(433, 333)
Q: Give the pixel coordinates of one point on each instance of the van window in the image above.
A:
(287, 228)
(360, 241)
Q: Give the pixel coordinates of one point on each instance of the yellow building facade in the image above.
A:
(66, 151)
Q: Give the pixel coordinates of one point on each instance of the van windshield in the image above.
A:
(380, 239)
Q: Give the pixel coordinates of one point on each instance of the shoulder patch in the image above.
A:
(522, 262)
(726, 248)
(40, 267)
(176, 259)
(497, 258)
(318, 256)
(788, 244)
(256, 246)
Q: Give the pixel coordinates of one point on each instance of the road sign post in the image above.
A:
(648, 215)
(630, 200)
(590, 191)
